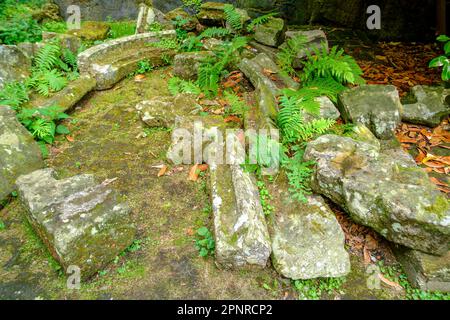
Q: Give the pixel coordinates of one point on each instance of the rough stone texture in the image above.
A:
(162, 111)
(83, 223)
(426, 272)
(212, 14)
(102, 10)
(271, 33)
(382, 187)
(257, 48)
(19, 153)
(113, 60)
(315, 39)
(197, 140)
(15, 65)
(267, 88)
(377, 107)
(68, 97)
(91, 31)
(67, 41)
(240, 229)
(180, 13)
(307, 240)
(327, 110)
(186, 64)
(431, 107)
(30, 49)
(149, 15)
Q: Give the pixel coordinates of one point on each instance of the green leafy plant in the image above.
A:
(14, 94)
(55, 26)
(205, 243)
(288, 53)
(323, 64)
(443, 61)
(177, 85)
(213, 68)
(192, 5)
(2, 225)
(155, 27)
(265, 197)
(143, 67)
(215, 32)
(191, 44)
(42, 124)
(233, 18)
(260, 21)
(119, 29)
(236, 105)
(313, 289)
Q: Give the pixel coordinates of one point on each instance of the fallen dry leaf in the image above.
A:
(162, 171)
(390, 283)
(193, 173)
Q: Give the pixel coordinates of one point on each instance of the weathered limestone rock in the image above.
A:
(377, 107)
(267, 88)
(162, 111)
(271, 33)
(113, 60)
(186, 64)
(91, 31)
(240, 229)
(212, 44)
(19, 153)
(307, 240)
(431, 107)
(68, 97)
(426, 272)
(148, 16)
(244, 19)
(178, 13)
(327, 110)
(15, 65)
(102, 10)
(271, 52)
(66, 41)
(315, 39)
(197, 140)
(212, 14)
(382, 187)
(83, 223)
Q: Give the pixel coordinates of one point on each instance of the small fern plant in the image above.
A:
(42, 124)
(236, 105)
(288, 53)
(177, 85)
(341, 67)
(233, 18)
(14, 94)
(215, 32)
(260, 21)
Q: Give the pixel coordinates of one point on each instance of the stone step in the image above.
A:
(242, 237)
(82, 223)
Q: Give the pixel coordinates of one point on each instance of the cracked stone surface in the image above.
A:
(82, 223)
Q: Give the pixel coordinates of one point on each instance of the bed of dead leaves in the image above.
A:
(404, 65)
(423, 141)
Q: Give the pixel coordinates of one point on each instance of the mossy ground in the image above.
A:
(164, 264)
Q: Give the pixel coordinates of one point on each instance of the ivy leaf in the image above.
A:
(443, 38)
(62, 129)
(203, 231)
(438, 62)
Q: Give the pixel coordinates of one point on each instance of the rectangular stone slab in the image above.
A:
(240, 229)
(82, 223)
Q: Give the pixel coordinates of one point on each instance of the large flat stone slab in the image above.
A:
(162, 111)
(377, 107)
(271, 33)
(431, 107)
(241, 234)
(382, 187)
(19, 152)
(82, 223)
(307, 240)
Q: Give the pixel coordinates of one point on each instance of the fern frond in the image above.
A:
(260, 21)
(47, 57)
(237, 106)
(215, 32)
(14, 94)
(233, 17)
(177, 85)
(289, 52)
